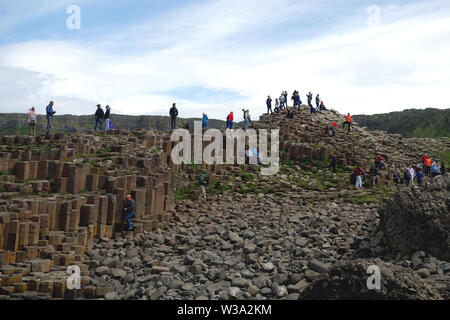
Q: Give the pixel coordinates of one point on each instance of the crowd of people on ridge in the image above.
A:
(100, 118)
(282, 103)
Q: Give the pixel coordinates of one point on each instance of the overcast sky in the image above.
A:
(217, 56)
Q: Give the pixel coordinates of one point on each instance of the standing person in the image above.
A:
(205, 121)
(203, 182)
(333, 163)
(443, 169)
(246, 118)
(107, 118)
(277, 106)
(358, 174)
(317, 101)
(129, 212)
(297, 101)
(407, 177)
(285, 94)
(50, 114)
(99, 115)
(282, 101)
(230, 119)
(348, 121)
(173, 116)
(310, 97)
(373, 172)
(32, 117)
(412, 174)
(428, 162)
(269, 105)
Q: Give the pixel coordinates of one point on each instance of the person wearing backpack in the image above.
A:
(32, 117)
(203, 182)
(173, 112)
(246, 118)
(407, 178)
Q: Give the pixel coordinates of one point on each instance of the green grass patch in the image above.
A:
(184, 193)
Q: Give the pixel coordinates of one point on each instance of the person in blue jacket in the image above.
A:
(50, 114)
(310, 97)
(269, 105)
(434, 170)
(205, 121)
(420, 176)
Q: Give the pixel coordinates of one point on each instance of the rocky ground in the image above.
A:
(251, 247)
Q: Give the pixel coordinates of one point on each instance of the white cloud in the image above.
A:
(401, 64)
(16, 12)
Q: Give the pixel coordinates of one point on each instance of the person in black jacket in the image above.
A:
(173, 116)
(269, 105)
(107, 120)
(99, 115)
(129, 212)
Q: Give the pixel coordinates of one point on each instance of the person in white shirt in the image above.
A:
(412, 173)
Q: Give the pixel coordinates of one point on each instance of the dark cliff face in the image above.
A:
(427, 123)
(418, 218)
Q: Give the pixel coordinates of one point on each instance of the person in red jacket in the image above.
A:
(358, 173)
(230, 119)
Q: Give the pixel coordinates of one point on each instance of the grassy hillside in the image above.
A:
(427, 123)
(14, 123)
